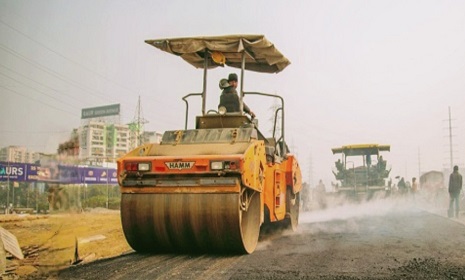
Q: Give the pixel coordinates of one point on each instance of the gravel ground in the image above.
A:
(386, 239)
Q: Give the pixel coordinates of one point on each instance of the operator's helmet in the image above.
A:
(224, 83)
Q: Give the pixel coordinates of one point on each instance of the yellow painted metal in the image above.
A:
(293, 174)
(253, 172)
(275, 191)
(361, 149)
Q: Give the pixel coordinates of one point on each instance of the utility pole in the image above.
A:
(8, 187)
(13, 198)
(37, 197)
(108, 189)
(138, 122)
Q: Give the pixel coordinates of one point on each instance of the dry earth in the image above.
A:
(52, 240)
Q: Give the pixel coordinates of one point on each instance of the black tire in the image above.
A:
(292, 210)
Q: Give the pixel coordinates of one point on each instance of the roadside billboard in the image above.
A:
(60, 174)
(102, 111)
(13, 171)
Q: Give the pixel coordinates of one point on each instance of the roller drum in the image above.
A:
(190, 222)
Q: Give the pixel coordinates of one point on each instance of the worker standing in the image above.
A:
(455, 186)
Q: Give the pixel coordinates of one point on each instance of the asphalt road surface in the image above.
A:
(389, 239)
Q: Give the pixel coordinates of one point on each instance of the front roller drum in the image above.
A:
(187, 222)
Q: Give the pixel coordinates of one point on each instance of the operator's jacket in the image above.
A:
(455, 183)
(230, 99)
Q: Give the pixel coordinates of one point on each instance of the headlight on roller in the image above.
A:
(216, 165)
(144, 166)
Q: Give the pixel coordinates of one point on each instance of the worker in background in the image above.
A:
(368, 160)
(230, 99)
(455, 186)
(339, 165)
(402, 186)
(414, 187)
(381, 163)
(305, 197)
(321, 194)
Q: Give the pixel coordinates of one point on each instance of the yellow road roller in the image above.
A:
(211, 188)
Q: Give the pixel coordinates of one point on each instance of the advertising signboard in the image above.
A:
(13, 172)
(94, 175)
(61, 174)
(102, 111)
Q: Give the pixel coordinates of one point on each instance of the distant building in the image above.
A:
(94, 143)
(18, 154)
(151, 137)
(103, 142)
(100, 139)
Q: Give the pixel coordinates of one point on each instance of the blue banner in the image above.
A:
(13, 171)
(56, 173)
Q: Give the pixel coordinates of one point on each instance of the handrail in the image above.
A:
(276, 116)
(187, 105)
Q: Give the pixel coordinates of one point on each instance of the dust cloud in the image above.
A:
(344, 210)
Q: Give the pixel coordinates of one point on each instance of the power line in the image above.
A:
(36, 90)
(28, 97)
(34, 132)
(54, 73)
(44, 85)
(64, 57)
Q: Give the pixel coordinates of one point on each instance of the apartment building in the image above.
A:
(103, 142)
(18, 154)
(93, 143)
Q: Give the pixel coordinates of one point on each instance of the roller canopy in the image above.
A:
(260, 54)
(361, 149)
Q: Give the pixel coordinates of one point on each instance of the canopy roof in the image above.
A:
(260, 54)
(361, 149)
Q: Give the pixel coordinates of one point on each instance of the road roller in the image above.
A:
(212, 187)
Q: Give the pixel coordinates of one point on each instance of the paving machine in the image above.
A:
(211, 188)
(361, 170)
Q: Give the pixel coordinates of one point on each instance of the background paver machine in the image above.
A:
(210, 188)
(362, 169)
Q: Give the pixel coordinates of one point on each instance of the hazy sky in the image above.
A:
(361, 71)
